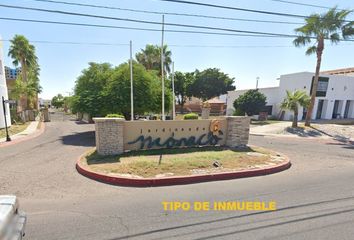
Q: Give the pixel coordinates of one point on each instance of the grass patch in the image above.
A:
(177, 162)
(14, 129)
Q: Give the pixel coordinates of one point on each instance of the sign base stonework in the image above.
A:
(115, 135)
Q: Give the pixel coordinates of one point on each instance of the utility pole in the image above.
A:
(257, 82)
(173, 92)
(8, 139)
(131, 83)
(162, 69)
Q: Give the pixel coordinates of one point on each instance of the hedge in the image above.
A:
(190, 116)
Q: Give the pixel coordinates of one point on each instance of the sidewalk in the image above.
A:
(32, 128)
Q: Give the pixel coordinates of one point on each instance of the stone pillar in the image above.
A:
(109, 135)
(238, 129)
(205, 113)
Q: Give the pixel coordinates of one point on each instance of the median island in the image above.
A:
(189, 163)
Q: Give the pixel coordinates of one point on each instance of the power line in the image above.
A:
(170, 45)
(165, 13)
(302, 4)
(144, 21)
(132, 28)
(236, 8)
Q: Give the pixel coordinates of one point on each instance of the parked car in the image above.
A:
(12, 220)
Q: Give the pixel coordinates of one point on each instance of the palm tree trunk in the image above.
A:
(296, 115)
(320, 47)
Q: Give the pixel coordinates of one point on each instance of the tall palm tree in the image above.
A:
(293, 101)
(23, 53)
(330, 26)
(150, 57)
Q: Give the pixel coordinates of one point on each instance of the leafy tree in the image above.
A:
(147, 91)
(183, 82)
(150, 57)
(331, 26)
(251, 102)
(89, 89)
(102, 90)
(23, 53)
(292, 102)
(211, 83)
(58, 101)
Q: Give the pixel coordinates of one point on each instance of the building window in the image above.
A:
(321, 87)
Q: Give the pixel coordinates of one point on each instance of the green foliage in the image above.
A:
(102, 89)
(292, 102)
(23, 53)
(251, 102)
(114, 115)
(183, 82)
(58, 101)
(238, 112)
(190, 116)
(150, 58)
(211, 83)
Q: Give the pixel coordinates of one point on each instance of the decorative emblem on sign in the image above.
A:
(215, 126)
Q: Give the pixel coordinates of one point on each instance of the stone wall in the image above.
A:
(114, 134)
(238, 129)
(109, 135)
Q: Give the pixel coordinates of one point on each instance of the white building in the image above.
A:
(335, 95)
(3, 92)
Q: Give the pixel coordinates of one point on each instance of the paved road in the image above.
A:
(315, 198)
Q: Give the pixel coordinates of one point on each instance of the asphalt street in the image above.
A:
(315, 197)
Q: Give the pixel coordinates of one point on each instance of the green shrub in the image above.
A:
(114, 115)
(239, 112)
(190, 116)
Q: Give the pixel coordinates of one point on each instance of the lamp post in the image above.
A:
(131, 84)
(173, 92)
(162, 69)
(8, 139)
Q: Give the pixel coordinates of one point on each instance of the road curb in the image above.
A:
(180, 180)
(26, 138)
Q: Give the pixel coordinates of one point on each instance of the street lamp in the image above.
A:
(8, 139)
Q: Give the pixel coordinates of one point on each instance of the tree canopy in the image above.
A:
(211, 83)
(58, 101)
(150, 58)
(251, 102)
(102, 89)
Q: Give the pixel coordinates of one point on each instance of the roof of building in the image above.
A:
(341, 71)
(215, 100)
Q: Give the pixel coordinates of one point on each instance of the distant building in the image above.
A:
(44, 102)
(334, 95)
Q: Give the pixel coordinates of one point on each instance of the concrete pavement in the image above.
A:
(315, 198)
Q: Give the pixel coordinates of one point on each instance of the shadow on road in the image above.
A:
(85, 139)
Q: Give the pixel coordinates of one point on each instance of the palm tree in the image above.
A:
(23, 53)
(330, 26)
(292, 102)
(150, 57)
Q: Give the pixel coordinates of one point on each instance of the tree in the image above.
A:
(150, 58)
(251, 102)
(147, 91)
(102, 89)
(23, 53)
(89, 90)
(292, 102)
(211, 83)
(58, 101)
(183, 82)
(331, 26)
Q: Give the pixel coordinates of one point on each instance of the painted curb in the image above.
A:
(180, 180)
(26, 138)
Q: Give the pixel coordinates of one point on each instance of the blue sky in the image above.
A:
(244, 58)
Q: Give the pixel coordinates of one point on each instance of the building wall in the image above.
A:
(340, 88)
